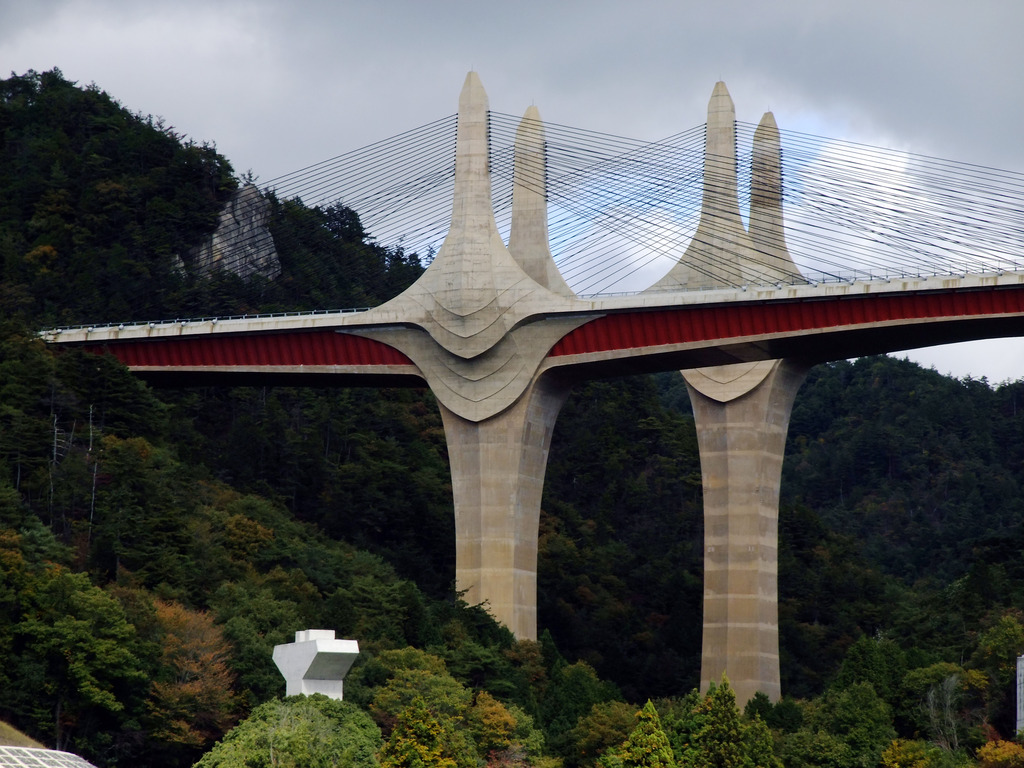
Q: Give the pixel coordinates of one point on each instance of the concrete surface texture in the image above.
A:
(316, 662)
(741, 414)
(742, 441)
(483, 308)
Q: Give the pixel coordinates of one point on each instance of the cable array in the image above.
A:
(856, 211)
(400, 187)
(615, 205)
(623, 211)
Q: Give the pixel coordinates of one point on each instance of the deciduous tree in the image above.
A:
(420, 739)
(77, 658)
(299, 732)
(192, 700)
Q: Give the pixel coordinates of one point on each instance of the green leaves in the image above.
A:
(859, 718)
(708, 731)
(422, 739)
(299, 732)
(620, 538)
(647, 746)
(75, 640)
(102, 200)
(718, 740)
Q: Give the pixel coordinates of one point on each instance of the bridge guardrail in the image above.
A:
(208, 319)
(808, 279)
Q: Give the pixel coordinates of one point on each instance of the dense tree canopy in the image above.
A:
(299, 732)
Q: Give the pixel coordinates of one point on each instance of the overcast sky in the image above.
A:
(279, 85)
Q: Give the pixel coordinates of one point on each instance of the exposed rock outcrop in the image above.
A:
(241, 243)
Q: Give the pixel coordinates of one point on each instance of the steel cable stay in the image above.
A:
(927, 218)
(352, 163)
(618, 207)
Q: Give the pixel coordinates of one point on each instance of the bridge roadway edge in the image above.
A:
(614, 341)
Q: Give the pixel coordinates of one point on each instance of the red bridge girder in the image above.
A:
(661, 327)
(292, 349)
(890, 318)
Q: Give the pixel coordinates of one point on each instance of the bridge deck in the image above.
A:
(646, 331)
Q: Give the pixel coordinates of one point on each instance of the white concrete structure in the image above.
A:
(315, 663)
(1020, 694)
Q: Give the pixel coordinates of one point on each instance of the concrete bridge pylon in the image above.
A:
(498, 468)
(741, 411)
(474, 324)
(479, 323)
(742, 417)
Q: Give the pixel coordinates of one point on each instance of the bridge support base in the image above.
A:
(497, 468)
(742, 418)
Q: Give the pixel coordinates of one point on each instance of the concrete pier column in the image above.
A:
(476, 326)
(498, 468)
(742, 417)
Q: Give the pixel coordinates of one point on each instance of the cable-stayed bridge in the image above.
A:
(622, 211)
(763, 261)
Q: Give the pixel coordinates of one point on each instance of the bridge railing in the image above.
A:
(198, 320)
(832, 278)
(808, 279)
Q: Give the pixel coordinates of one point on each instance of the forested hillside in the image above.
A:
(156, 544)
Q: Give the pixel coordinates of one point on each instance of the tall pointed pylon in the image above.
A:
(475, 302)
(528, 236)
(721, 199)
(722, 252)
(741, 411)
(766, 215)
(472, 282)
(715, 256)
(476, 325)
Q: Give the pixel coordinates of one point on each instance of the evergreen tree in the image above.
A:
(721, 738)
(859, 718)
(647, 746)
(760, 746)
(718, 742)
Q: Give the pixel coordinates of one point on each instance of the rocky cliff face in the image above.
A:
(241, 243)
